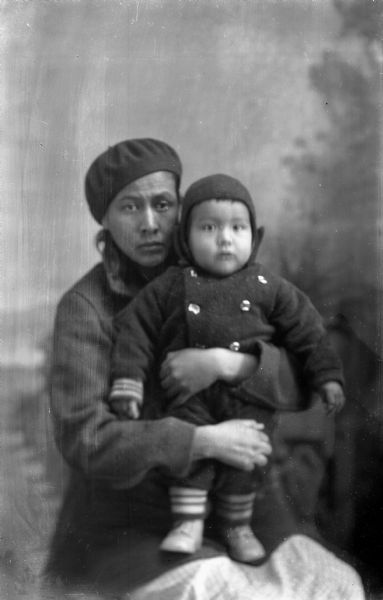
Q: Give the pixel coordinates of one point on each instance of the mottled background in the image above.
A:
(285, 95)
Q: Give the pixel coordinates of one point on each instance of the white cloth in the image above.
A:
(299, 569)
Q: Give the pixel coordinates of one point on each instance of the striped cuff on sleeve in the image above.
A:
(127, 388)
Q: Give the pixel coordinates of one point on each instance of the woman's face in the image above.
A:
(142, 216)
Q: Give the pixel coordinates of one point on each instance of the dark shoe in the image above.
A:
(242, 545)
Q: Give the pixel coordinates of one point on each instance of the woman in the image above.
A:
(116, 505)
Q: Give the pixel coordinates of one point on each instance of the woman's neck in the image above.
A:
(123, 268)
(149, 273)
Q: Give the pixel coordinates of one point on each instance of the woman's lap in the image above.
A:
(299, 569)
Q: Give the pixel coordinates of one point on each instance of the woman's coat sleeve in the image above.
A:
(90, 437)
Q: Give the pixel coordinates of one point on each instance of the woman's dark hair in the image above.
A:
(111, 254)
(102, 238)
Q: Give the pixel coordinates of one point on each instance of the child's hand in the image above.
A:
(125, 408)
(332, 395)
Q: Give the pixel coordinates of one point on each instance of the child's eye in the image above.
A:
(208, 227)
(240, 227)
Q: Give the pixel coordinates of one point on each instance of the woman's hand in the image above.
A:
(238, 443)
(189, 371)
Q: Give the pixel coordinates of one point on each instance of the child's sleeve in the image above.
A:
(137, 330)
(276, 381)
(300, 329)
(125, 389)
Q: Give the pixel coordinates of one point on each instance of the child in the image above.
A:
(218, 296)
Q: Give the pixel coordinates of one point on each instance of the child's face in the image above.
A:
(220, 236)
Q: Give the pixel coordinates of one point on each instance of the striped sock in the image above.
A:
(188, 503)
(237, 509)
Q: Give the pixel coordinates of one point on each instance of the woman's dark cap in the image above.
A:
(122, 164)
(212, 187)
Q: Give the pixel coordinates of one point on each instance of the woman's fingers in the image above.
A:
(250, 427)
(241, 444)
(164, 370)
(174, 391)
(192, 368)
(252, 424)
(167, 382)
(166, 366)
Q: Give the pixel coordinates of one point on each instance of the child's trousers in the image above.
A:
(226, 483)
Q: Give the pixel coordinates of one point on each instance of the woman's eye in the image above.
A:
(129, 207)
(162, 205)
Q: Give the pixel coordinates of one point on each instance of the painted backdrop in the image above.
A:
(283, 95)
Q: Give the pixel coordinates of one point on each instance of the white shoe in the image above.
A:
(185, 537)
